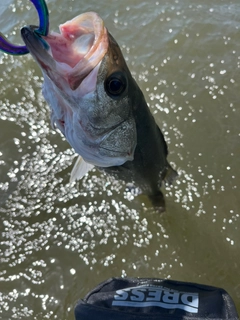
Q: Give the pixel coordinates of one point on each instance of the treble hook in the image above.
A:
(42, 10)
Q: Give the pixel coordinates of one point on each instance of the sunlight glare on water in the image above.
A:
(58, 240)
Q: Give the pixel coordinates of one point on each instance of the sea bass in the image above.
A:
(97, 105)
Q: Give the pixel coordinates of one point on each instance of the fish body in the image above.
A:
(97, 104)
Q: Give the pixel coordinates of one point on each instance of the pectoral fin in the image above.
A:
(79, 170)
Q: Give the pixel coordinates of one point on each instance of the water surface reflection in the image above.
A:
(59, 240)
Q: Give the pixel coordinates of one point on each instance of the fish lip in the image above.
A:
(43, 48)
(38, 47)
(31, 31)
(33, 40)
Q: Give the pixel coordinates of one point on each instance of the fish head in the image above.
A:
(88, 87)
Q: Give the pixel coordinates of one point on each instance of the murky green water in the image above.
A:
(59, 240)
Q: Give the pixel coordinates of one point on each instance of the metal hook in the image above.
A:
(43, 15)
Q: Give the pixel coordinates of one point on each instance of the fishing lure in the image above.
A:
(42, 30)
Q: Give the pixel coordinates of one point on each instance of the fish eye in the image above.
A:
(115, 84)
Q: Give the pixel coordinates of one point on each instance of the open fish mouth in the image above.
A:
(74, 52)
